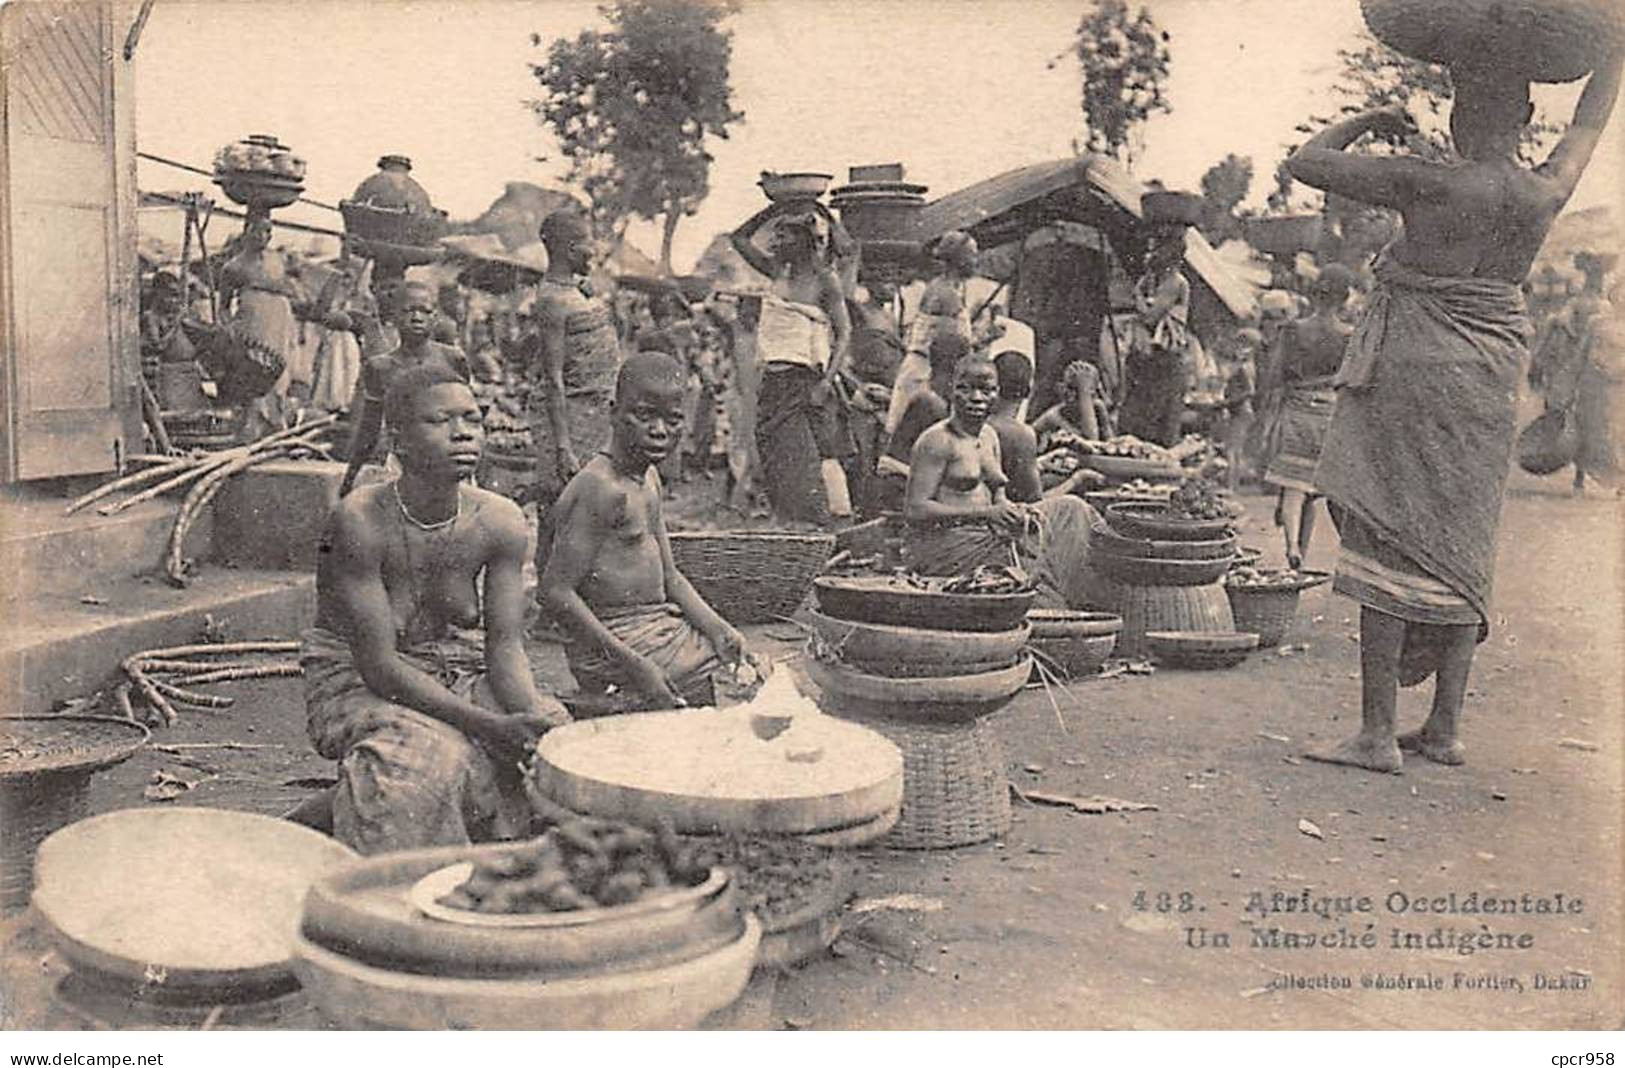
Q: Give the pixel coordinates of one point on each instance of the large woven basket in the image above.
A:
(45, 767)
(1539, 40)
(1268, 611)
(1144, 608)
(751, 576)
(956, 789)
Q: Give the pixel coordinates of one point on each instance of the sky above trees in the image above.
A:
(957, 89)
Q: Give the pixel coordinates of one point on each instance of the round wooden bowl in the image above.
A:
(364, 912)
(881, 643)
(1146, 571)
(950, 698)
(359, 996)
(1206, 549)
(206, 898)
(1129, 468)
(880, 599)
(796, 185)
(1133, 519)
(1077, 643)
(1201, 649)
(627, 767)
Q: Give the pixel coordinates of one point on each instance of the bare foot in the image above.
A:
(1362, 752)
(1437, 750)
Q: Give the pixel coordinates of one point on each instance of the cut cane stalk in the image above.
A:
(187, 697)
(240, 672)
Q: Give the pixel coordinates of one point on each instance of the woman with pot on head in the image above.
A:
(1300, 369)
(801, 343)
(256, 280)
(1415, 462)
(1154, 400)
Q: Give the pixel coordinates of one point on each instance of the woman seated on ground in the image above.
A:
(416, 681)
(1082, 409)
(959, 515)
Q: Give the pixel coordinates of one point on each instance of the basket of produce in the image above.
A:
(796, 185)
(882, 649)
(1075, 642)
(534, 908)
(751, 576)
(259, 172)
(1207, 549)
(1536, 40)
(1163, 522)
(1266, 601)
(794, 888)
(944, 698)
(1200, 650)
(46, 763)
(986, 603)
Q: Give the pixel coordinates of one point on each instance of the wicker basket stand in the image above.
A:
(45, 784)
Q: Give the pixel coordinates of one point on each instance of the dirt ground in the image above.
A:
(1048, 928)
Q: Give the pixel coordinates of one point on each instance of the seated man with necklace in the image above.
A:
(427, 717)
(635, 624)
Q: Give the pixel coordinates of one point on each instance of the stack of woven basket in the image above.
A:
(1162, 572)
(926, 669)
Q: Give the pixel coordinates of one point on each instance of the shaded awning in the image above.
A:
(1094, 190)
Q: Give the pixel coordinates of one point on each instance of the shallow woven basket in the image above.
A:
(49, 788)
(956, 790)
(751, 576)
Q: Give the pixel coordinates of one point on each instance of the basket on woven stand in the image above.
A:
(751, 576)
(46, 763)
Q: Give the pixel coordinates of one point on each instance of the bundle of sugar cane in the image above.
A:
(174, 472)
(204, 489)
(157, 676)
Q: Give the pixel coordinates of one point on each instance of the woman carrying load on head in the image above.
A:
(801, 343)
(1415, 461)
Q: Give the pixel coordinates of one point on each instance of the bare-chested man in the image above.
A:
(416, 308)
(427, 718)
(1415, 462)
(635, 623)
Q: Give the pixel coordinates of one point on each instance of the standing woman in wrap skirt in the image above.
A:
(1305, 359)
(1416, 460)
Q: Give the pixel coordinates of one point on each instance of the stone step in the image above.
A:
(58, 646)
(47, 554)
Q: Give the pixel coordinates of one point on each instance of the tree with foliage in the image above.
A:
(1224, 187)
(632, 107)
(1124, 61)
